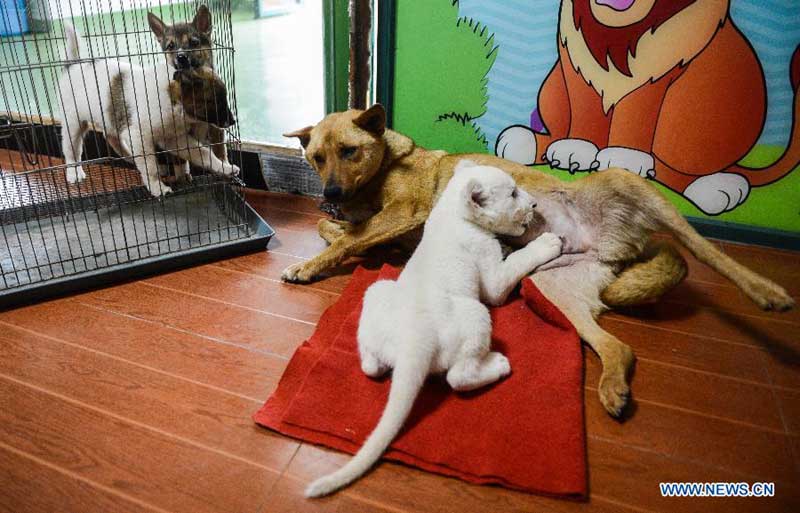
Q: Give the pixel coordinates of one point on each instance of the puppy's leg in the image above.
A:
(183, 172)
(72, 146)
(198, 154)
(575, 291)
(144, 150)
(385, 226)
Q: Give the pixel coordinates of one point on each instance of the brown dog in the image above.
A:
(386, 187)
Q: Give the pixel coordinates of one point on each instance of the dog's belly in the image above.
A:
(557, 215)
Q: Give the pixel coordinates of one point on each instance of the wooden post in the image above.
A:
(360, 26)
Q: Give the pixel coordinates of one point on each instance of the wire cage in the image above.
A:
(60, 230)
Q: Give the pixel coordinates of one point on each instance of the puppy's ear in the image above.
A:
(202, 20)
(475, 194)
(156, 25)
(304, 134)
(372, 120)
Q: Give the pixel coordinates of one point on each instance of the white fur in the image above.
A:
(85, 91)
(432, 320)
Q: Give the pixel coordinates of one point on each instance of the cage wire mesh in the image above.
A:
(53, 229)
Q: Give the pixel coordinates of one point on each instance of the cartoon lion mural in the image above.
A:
(669, 89)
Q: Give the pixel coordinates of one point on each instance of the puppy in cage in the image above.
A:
(189, 46)
(139, 110)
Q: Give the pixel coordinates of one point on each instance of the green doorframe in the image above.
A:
(337, 53)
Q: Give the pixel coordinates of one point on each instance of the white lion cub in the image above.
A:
(431, 320)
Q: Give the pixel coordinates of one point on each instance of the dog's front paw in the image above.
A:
(572, 155)
(637, 162)
(75, 174)
(230, 169)
(158, 189)
(517, 143)
(297, 273)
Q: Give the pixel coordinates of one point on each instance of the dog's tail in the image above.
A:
(660, 269)
(407, 379)
(73, 43)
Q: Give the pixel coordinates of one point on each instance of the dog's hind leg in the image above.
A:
(72, 145)
(575, 291)
(763, 292)
(144, 151)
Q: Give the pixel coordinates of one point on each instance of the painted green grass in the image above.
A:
(441, 81)
(775, 206)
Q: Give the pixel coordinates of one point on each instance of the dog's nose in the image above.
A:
(333, 192)
(182, 60)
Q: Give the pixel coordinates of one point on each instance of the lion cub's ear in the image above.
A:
(474, 194)
(464, 164)
(372, 120)
(304, 134)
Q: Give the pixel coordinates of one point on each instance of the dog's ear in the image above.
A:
(202, 20)
(372, 120)
(157, 26)
(304, 134)
(475, 194)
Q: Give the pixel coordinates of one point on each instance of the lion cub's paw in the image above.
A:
(297, 273)
(547, 246)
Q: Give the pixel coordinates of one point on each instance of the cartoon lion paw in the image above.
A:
(572, 155)
(636, 161)
(718, 193)
(517, 143)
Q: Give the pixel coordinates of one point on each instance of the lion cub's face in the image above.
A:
(346, 149)
(493, 199)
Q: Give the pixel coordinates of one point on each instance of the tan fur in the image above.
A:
(390, 186)
(661, 268)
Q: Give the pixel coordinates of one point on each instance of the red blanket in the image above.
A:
(525, 432)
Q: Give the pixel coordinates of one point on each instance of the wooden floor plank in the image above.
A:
(621, 479)
(232, 368)
(232, 324)
(287, 497)
(706, 394)
(139, 396)
(261, 199)
(761, 454)
(161, 470)
(296, 302)
(691, 351)
(60, 490)
(204, 416)
(778, 265)
(773, 335)
(790, 408)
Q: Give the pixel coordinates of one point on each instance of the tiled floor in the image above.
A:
(138, 397)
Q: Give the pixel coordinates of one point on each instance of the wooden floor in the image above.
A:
(138, 397)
